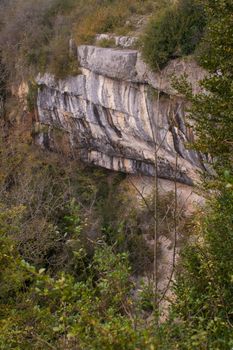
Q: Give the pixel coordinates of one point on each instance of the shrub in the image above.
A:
(61, 63)
(174, 32)
(110, 16)
(43, 312)
(204, 283)
(104, 19)
(106, 43)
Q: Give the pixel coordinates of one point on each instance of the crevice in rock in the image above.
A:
(110, 122)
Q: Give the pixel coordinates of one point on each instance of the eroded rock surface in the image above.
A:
(120, 41)
(111, 111)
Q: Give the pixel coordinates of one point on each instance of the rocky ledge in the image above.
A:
(116, 111)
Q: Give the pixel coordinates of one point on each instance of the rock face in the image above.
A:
(113, 118)
(120, 41)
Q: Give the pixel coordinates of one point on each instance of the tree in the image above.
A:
(174, 31)
(202, 313)
(213, 111)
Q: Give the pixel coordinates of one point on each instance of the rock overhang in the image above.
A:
(108, 111)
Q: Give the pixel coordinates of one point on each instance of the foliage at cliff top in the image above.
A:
(64, 273)
(34, 35)
(70, 241)
(204, 286)
(172, 32)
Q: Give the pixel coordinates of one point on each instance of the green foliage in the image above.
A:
(32, 95)
(212, 111)
(70, 240)
(60, 62)
(61, 284)
(204, 286)
(38, 32)
(69, 206)
(108, 16)
(3, 89)
(173, 32)
(202, 313)
(106, 43)
(127, 227)
(43, 312)
(39, 183)
(9, 219)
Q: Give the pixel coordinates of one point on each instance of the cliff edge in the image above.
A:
(116, 112)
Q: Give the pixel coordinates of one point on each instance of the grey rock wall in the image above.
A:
(120, 41)
(109, 112)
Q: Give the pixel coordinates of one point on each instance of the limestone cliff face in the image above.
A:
(108, 113)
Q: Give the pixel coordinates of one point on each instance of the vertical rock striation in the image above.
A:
(108, 112)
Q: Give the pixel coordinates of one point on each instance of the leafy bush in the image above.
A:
(204, 283)
(173, 32)
(212, 112)
(44, 312)
(203, 317)
(32, 95)
(110, 16)
(61, 62)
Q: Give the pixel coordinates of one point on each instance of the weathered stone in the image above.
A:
(128, 65)
(109, 111)
(163, 80)
(112, 63)
(121, 41)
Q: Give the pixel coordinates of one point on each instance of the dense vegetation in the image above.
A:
(70, 241)
(204, 286)
(173, 32)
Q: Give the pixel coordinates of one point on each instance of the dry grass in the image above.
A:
(38, 33)
(114, 17)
